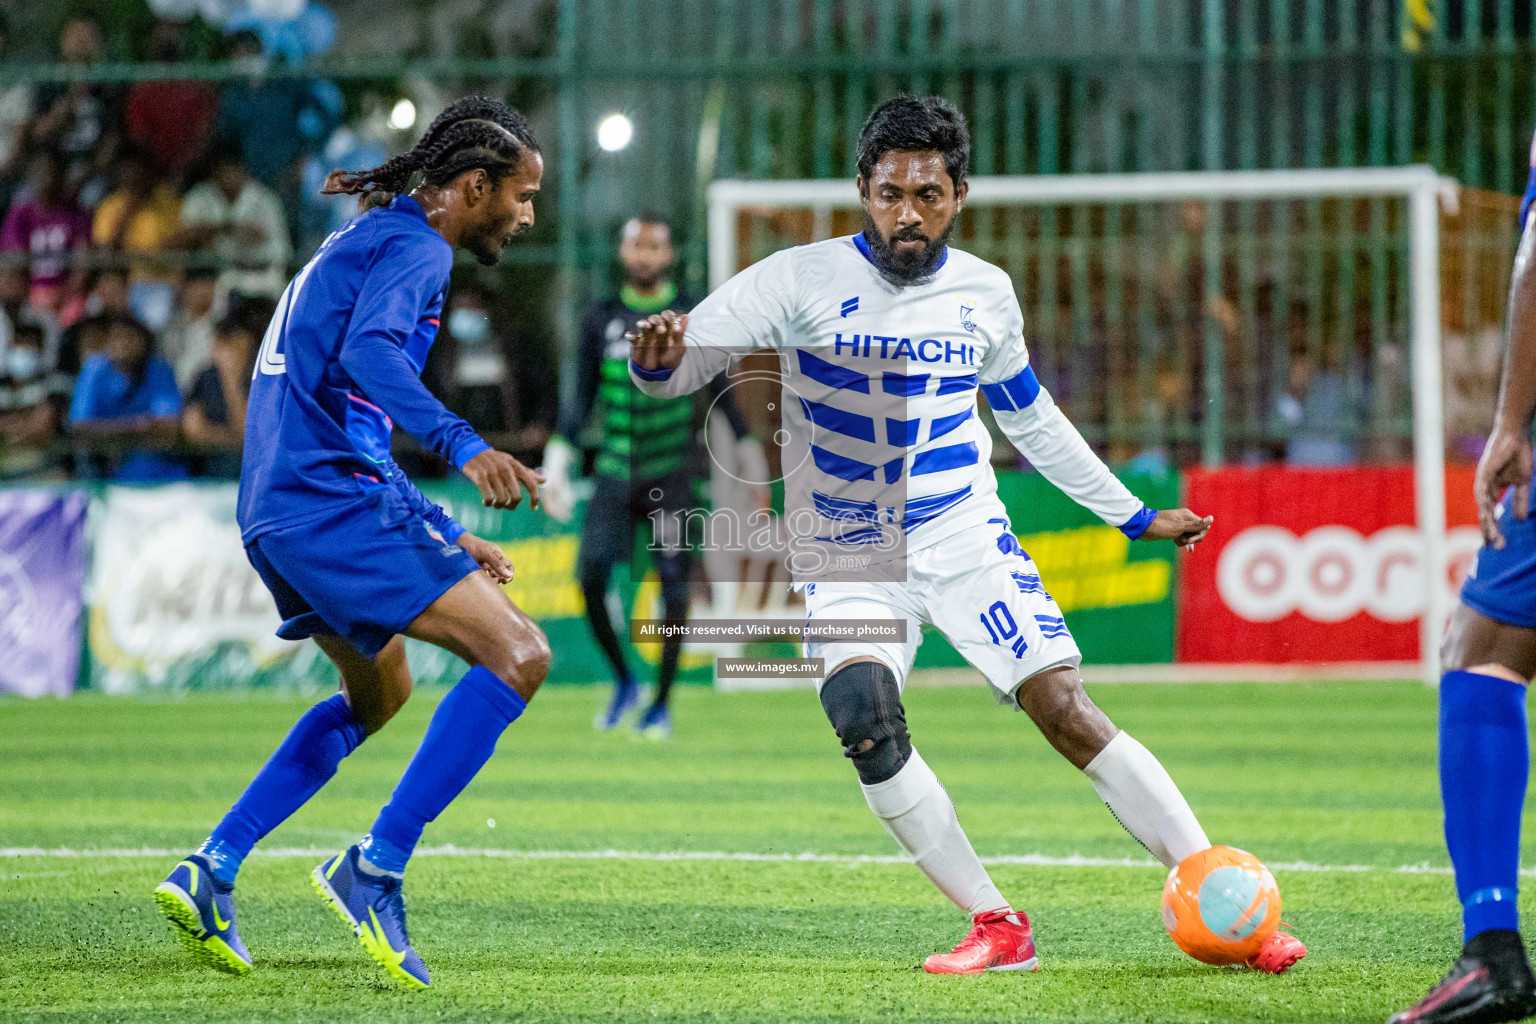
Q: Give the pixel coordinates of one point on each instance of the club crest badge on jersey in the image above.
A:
(967, 307)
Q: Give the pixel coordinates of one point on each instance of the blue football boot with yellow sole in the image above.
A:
(202, 914)
(374, 908)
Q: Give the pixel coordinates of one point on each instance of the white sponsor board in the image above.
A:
(171, 584)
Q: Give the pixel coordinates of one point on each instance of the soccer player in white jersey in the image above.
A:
(884, 339)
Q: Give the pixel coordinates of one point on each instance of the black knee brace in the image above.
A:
(864, 705)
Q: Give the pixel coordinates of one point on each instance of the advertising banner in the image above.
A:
(176, 604)
(1116, 594)
(543, 553)
(1313, 565)
(42, 581)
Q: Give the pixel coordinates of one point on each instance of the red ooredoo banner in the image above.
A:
(1313, 564)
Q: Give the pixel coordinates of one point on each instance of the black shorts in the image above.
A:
(620, 506)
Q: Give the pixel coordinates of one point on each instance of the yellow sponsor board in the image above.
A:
(544, 576)
(1087, 567)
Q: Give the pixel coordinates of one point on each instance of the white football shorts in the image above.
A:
(978, 588)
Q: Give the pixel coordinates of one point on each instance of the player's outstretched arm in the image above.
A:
(407, 279)
(673, 354)
(1506, 460)
(1041, 431)
(657, 342)
(390, 382)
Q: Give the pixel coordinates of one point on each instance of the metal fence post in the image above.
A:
(1213, 439)
(569, 189)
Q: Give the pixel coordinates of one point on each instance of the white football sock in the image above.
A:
(919, 815)
(1144, 800)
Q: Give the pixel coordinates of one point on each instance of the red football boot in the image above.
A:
(1279, 952)
(999, 940)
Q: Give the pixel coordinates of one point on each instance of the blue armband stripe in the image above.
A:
(1014, 394)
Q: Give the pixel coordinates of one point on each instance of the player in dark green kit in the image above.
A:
(647, 462)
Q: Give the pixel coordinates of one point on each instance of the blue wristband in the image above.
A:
(1137, 525)
(644, 374)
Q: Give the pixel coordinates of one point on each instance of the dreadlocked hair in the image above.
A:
(476, 131)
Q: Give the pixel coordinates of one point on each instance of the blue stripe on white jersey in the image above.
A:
(880, 380)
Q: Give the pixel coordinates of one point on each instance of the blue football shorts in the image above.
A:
(1502, 584)
(363, 570)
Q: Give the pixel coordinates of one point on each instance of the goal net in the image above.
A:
(1205, 320)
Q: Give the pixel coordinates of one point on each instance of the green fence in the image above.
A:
(778, 89)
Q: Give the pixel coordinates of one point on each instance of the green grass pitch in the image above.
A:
(1310, 776)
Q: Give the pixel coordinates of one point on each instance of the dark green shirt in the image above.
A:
(636, 436)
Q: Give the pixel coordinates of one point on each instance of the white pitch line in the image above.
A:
(1023, 860)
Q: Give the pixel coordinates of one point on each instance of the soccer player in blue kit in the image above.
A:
(353, 553)
(1488, 659)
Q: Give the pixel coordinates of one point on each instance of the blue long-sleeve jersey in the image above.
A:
(339, 365)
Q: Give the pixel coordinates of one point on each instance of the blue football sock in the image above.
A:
(1484, 759)
(460, 739)
(303, 762)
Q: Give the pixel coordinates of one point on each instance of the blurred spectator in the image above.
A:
(480, 374)
(87, 336)
(267, 119)
(486, 377)
(172, 122)
(124, 396)
(33, 399)
(141, 221)
(319, 215)
(187, 341)
(46, 225)
(16, 312)
(80, 119)
(215, 413)
(1319, 413)
(13, 302)
(1472, 367)
(15, 111)
(240, 221)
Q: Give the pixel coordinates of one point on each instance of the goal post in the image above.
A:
(1414, 194)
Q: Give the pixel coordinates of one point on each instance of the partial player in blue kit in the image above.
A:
(354, 555)
(1488, 659)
